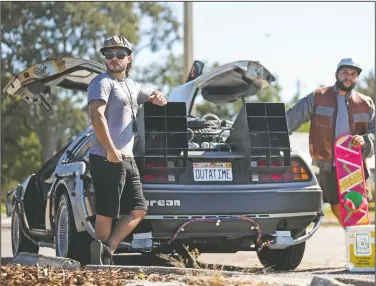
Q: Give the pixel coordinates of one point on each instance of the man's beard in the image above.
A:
(340, 85)
(115, 68)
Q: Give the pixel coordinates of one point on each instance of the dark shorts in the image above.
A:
(117, 186)
(328, 183)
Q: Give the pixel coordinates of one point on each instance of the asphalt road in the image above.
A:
(325, 256)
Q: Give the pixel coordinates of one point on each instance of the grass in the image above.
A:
(3, 211)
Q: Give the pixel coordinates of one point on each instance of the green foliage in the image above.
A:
(171, 70)
(270, 94)
(224, 111)
(367, 85)
(33, 31)
(305, 127)
(20, 158)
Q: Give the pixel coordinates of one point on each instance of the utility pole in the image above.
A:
(188, 39)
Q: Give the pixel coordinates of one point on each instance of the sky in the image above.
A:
(294, 41)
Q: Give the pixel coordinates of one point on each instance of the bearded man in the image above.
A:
(113, 100)
(335, 111)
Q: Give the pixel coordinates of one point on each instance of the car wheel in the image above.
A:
(20, 243)
(283, 259)
(69, 242)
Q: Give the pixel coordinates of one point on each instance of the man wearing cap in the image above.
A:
(335, 111)
(113, 100)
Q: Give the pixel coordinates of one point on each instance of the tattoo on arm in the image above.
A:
(95, 104)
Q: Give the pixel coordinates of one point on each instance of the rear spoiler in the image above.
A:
(260, 130)
(162, 133)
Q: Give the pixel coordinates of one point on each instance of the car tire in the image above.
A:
(283, 259)
(20, 243)
(69, 242)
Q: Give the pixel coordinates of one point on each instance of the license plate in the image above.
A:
(212, 172)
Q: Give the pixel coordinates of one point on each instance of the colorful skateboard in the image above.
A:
(351, 183)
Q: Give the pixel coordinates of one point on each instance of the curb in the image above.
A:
(167, 270)
(356, 281)
(314, 280)
(234, 276)
(324, 281)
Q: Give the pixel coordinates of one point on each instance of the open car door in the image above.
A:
(70, 73)
(226, 83)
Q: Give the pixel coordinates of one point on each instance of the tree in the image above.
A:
(171, 70)
(367, 85)
(33, 31)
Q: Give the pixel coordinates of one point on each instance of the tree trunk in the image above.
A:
(49, 140)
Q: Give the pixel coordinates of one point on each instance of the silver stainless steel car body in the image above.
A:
(275, 206)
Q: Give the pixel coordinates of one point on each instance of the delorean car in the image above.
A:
(211, 184)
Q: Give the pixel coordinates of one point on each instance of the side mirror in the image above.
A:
(196, 70)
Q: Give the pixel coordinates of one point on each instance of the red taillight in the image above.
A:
(297, 172)
(151, 178)
(154, 178)
(154, 164)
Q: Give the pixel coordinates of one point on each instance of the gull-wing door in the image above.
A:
(70, 73)
(225, 83)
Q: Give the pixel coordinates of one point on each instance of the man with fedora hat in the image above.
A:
(335, 111)
(113, 100)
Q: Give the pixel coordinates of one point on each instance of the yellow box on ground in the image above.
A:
(360, 248)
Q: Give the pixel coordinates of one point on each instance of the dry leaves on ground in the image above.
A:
(15, 275)
(33, 275)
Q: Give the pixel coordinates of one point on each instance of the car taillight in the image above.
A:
(156, 178)
(297, 172)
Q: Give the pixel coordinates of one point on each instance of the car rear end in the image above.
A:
(245, 185)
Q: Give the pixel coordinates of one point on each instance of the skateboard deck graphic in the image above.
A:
(351, 183)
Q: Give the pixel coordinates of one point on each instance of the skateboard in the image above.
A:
(351, 183)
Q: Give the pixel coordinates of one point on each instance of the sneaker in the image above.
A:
(107, 255)
(96, 253)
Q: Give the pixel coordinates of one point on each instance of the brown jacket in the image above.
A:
(314, 107)
(322, 129)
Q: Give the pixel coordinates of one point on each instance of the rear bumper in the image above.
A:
(165, 228)
(271, 209)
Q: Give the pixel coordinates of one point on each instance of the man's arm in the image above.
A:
(97, 108)
(369, 138)
(157, 98)
(150, 95)
(300, 113)
(98, 94)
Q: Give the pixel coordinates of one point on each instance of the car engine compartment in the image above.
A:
(209, 133)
